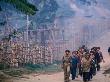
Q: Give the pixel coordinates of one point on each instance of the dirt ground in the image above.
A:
(58, 77)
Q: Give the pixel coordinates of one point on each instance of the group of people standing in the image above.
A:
(83, 62)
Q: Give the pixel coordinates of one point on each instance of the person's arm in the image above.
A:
(82, 62)
(62, 64)
(70, 61)
(102, 57)
(78, 62)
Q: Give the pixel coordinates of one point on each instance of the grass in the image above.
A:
(53, 68)
(16, 72)
(30, 68)
(4, 77)
(43, 68)
(7, 74)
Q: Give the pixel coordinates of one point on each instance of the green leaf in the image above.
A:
(23, 6)
(3, 23)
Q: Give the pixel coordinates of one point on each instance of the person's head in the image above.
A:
(76, 52)
(80, 49)
(91, 52)
(87, 56)
(67, 52)
(73, 53)
(83, 46)
(94, 49)
(98, 48)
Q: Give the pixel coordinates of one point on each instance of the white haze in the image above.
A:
(92, 16)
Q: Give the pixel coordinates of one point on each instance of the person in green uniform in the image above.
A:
(66, 62)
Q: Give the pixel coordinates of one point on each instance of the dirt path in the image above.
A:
(58, 77)
(103, 42)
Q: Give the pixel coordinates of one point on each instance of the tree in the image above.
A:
(22, 5)
(48, 12)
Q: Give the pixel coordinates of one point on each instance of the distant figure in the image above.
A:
(86, 64)
(93, 66)
(109, 50)
(74, 64)
(84, 47)
(66, 62)
(98, 58)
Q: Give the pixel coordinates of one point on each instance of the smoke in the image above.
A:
(95, 17)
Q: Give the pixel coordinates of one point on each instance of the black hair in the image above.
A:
(67, 51)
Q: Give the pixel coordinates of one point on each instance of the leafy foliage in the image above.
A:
(16, 72)
(48, 12)
(22, 5)
(3, 23)
(13, 34)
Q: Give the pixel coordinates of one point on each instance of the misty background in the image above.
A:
(83, 21)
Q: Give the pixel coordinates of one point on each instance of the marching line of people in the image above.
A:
(82, 62)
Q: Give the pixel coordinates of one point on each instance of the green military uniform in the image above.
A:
(66, 67)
